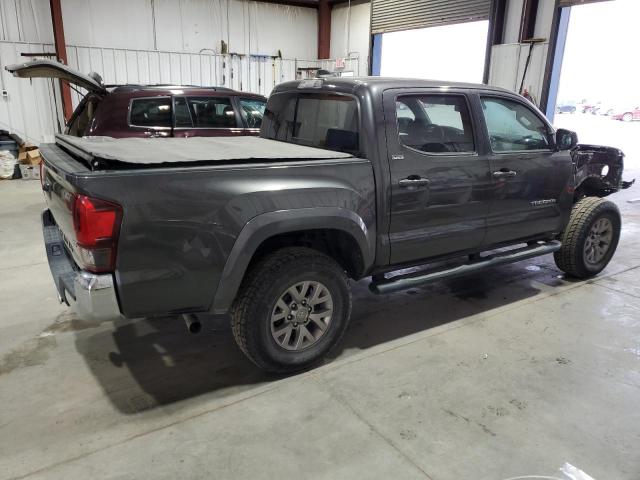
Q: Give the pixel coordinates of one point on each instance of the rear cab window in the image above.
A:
(323, 120)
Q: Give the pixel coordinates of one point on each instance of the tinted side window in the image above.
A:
(181, 112)
(315, 119)
(512, 126)
(212, 112)
(435, 123)
(151, 112)
(252, 111)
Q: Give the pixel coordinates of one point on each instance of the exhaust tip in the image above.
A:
(193, 324)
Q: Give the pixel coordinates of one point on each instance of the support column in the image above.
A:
(495, 33)
(61, 54)
(548, 101)
(376, 54)
(324, 29)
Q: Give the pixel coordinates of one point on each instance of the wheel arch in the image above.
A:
(268, 231)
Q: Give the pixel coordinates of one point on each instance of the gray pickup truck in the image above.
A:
(350, 178)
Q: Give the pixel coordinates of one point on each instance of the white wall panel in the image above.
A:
(355, 41)
(30, 108)
(113, 23)
(513, 16)
(25, 20)
(170, 25)
(544, 18)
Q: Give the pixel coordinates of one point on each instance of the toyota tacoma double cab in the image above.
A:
(350, 178)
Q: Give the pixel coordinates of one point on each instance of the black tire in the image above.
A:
(263, 286)
(572, 258)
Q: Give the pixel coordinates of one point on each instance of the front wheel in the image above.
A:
(590, 239)
(292, 308)
(627, 117)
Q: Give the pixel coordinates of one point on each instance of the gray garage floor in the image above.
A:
(506, 374)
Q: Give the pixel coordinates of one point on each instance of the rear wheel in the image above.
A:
(292, 308)
(590, 239)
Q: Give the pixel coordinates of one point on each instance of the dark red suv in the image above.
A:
(152, 110)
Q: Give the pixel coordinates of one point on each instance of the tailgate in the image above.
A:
(59, 191)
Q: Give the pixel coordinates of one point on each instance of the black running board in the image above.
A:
(403, 282)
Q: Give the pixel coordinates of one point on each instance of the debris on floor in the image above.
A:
(18, 159)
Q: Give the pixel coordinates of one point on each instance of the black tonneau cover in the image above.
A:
(156, 151)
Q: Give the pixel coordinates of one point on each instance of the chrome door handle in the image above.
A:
(504, 174)
(414, 181)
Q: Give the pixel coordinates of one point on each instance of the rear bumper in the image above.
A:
(91, 296)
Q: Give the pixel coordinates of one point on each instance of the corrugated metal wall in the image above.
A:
(168, 25)
(29, 108)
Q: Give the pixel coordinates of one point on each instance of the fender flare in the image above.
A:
(267, 225)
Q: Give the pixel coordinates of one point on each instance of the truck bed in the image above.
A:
(104, 153)
(182, 215)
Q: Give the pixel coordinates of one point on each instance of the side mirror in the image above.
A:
(566, 139)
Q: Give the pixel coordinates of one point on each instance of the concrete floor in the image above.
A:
(506, 374)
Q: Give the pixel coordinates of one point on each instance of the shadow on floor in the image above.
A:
(147, 363)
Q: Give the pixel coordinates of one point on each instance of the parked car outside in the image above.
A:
(152, 110)
(587, 107)
(627, 115)
(566, 108)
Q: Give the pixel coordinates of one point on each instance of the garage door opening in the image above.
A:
(449, 52)
(597, 94)
(599, 66)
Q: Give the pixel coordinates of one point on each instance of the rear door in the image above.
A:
(440, 183)
(529, 176)
(206, 116)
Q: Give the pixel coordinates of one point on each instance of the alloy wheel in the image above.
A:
(301, 315)
(598, 241)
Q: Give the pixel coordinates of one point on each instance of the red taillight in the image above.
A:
(96, 224)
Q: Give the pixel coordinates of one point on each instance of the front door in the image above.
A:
(530, 178)
(440, 185)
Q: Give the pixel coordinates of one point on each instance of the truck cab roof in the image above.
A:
(379, 84)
